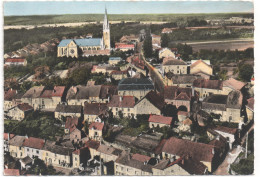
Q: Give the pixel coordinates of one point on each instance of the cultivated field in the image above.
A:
(222, 45)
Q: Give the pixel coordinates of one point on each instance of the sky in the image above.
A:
(124, 7)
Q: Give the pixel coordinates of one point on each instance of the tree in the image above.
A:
(165, 40)
(169, 110)
(245, 72)
(148, 48)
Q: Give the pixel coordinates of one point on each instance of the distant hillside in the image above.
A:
(54, 19)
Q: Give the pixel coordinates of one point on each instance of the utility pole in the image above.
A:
(246, 144)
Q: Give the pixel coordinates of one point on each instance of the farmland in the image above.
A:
(76, 18)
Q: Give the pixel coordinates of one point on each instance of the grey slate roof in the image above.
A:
(52, 147)
(17, 141)
(34, 92)
(125, 160)
(68, 108)
(81, 42)
(135, 84)
(184, 79)
(83, 92)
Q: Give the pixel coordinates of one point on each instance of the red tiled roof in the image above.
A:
(118, 72)
(46, 94)
(58, 91)
(124, 46)
(160, 119)
(9, 95)
(225, 129)
(250, 103)
(71, 123)
(197, 151)
(24, 107)
(177, 93)
(234, 84)
(141, 158)
(187, 122)
(35, 143)
(96, 125)
(15, 60)
(127, 101)
(95, 108)
(92, 144)
(210, 84)
(6, 136)
(78, 151)
(11, 172)
(198, 62)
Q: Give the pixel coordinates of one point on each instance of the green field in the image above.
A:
(68, 18)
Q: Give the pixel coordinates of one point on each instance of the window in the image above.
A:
(128, 109)
(27, 149)
(122, 168)
(46, 154)
(76, 159)
(37, 152)
(20, 148)
(96, 134)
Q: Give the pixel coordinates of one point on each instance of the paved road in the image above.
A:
(223, 169)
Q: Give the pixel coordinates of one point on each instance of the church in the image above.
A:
(87, 46)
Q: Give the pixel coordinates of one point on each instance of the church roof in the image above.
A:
(81, 42)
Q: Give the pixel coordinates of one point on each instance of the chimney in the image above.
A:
(213, 151)
(74, 89)
(120, 98)
(217, 138)
(108, 99)
(8, 136)
(182, 161)
(192, 92)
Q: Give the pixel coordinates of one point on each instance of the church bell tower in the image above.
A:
(106, 32)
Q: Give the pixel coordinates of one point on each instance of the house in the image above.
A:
(119, 75)
(114, 60)
(7, 137)
(32, 147)
(199, 152)
(183, 80)
(56, 155)
(11, 172)
(136, 64)
(109, 153)
(96, 130)
(231, 134)
(16, 148)
(15, 62)
(122, 105)
(169, 167)
(227, 106)
(129, 39)
(92, 111)
(8, 99)
(67, 110)
(182, 98)
(71, 128)
(166, 53)
(32, 96)
(184, 125)
(207, 87)
(201, 117)
(124, 47)
(78, 95)
(167, 30)
(26, 162)
(232, 84)
(20, 111)
(104, 69)
(58, 95)
(151, 103)
(202, 68)
(250, 108)
(80, 157)
(159, 121)
(87, 53)
(133, 165)
(174, 66)
(135, 87)
(93, 146)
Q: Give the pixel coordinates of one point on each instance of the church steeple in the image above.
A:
(106, 31)
(105, 23)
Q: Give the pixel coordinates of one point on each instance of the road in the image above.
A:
(223, 169)
(154, 73)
